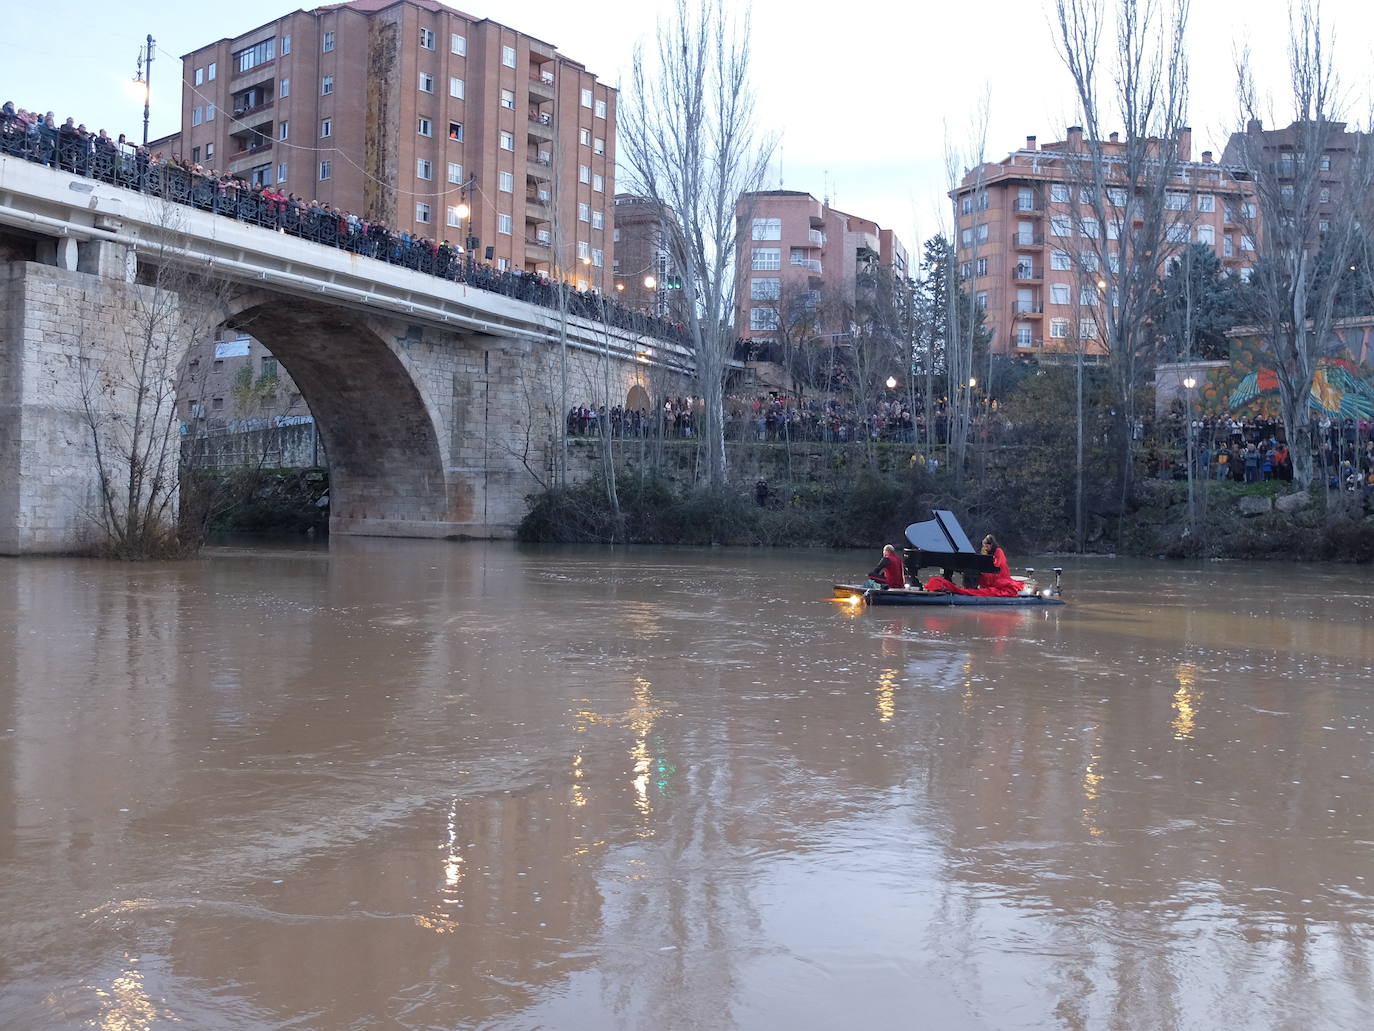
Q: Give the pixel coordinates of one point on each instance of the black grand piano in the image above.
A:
(941, 543)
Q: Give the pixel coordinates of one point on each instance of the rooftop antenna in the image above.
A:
(825, 186)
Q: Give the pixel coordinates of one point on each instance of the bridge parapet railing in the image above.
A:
(257, 204)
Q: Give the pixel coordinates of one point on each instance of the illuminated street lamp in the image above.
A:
(1189, 382)
(892, 383)
(650, 282)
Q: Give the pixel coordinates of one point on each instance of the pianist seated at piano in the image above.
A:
(888, 573)
(998, 584)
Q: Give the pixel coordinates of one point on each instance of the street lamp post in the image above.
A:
(1189, 382)
(144, 77)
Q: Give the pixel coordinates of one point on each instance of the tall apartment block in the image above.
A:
(1023, 236)
(796, 250)
(1280, 153)
(404, 111)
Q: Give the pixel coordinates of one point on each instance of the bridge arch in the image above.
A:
(381, 431)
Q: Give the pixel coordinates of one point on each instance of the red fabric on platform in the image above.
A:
(990, 585)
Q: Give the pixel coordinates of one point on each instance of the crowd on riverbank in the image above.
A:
(70, 147)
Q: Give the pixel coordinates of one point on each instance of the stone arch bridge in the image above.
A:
(437, 403)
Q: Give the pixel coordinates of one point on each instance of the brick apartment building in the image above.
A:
(643, 268)
(1023, 236)
(403, 110)
(1280, 152)
(796, 250)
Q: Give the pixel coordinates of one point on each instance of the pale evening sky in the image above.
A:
(865, 97)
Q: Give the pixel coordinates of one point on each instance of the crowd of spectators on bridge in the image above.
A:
(70, 147)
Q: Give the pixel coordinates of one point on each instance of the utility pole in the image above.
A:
(144, 75)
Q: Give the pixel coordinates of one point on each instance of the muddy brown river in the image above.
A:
(393, 784)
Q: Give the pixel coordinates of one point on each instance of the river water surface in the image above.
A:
(394, 784)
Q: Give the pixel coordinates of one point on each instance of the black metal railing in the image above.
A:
(132, 168)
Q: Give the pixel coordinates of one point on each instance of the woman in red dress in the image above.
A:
(990, 585)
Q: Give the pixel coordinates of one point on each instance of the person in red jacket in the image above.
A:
(990, 585)
(889, 572)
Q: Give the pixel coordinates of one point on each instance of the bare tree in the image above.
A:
(1121, 204)
(1312, 183)
(690, 144)
(128, 400)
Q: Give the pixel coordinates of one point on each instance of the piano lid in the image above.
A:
(943, 534)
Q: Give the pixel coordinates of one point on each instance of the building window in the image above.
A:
(458, 44)
(327, 41)
(260, 53)
(584, 174)
(583, 250)
(209, 112)
(214, 67)
(508, 100)
(453, 218)
(1087, 296)
(427, 39)
(1059, 193)
(284, 131)
(586, 98)
(1207, 235)
(326, 128)
(1176, 201)
(1061, 225)
(598, 257)
(765, 288)
(600, 109)
(426, 82)
(326, 85)
(1059, 329)
(1087, 329)
(507, 141)
(455, 172)
(584, 212)
(1092, 229)
(584, 137)
(599, 183)
(209, 151)
(767, 259)
(1059, 293)
(767, 229)
(981, 299)
(1326, 163)
(1116, 196)
(508, 56)
(966, 238)
(424, 127)
(281, 172)
(966, 205)
(763, 319)
(200, 76)
(504, 225)
(285, 90)
(421, 212)
(270, 367)
(966, 270)
(456, 87)
(1324, 195)
(598, 220)
(424, 168)
(195, 153)
(285, 46)
(455, 132)
(1061, 261)
(599, 146)
(325, 167)
(196, 115)
(1206, 202)
(1247, 242)
(982, 266)
(216, 403)
(505, 182)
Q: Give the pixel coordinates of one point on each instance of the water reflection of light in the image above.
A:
(641, 721)
(440, 920)
(887, 695)
(579, 784)
(1186, 700)
(126, 1006)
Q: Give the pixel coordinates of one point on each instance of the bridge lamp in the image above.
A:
(463, 210)
(892, 383)
(650, 282)
(1189, 383)
(620, 288)
(1102, 284)
(972, 382)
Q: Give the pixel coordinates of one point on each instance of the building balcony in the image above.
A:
(537, 210)
(540, 127)
(1028, 309)
(539, 167)
(536, 251)
(815, 237)
(246, 113)
(812, 265)
(1028, 206)
(251, 149)
(1027, 241)
(1027, 343)
(1027, 273)
(542, 85)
